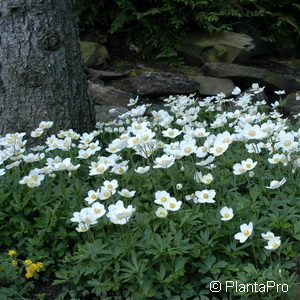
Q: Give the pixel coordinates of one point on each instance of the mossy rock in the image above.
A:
(135, 72)
(93, 54)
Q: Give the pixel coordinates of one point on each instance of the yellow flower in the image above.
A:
(39, 266)
(12, 252)
(27, 262)
(32, 268)
(14, 262)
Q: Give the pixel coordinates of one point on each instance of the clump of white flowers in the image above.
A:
(152, 149)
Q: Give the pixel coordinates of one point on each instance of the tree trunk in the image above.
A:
(41, 71)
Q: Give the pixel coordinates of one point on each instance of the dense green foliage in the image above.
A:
(156, 25)
(149, 194)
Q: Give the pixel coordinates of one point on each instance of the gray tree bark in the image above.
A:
(41, 72)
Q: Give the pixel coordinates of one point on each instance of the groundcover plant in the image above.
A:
(161, 202)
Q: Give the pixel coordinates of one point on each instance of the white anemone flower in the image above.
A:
(82, 227)
(273, 243)
(236, 91)
(256, 89)
(126, 193)
(165, 161)
(45, 124)
(275, 184)
(275, 159)
(238, 169)
(171, 133)
(219, 148)
(226, 213)
(105, 194)
(206, 196)
(200, 132)
(172, 204)
(98, 209)
(110, 185)
(207, 161)
(161, 197)
(280, 92)
(161, 212)
(246, 231)
(252, 132)
(37, 132)
(248, 164)
(92, 196)
(142, 170)
(132, 101)
(118, 214)
(268, 235)
(191, 197)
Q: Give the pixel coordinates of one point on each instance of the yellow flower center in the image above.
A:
(219, 149)
(188, 150)
(275, 245)
(135, 141)
(164, 199)
(246, 232)
(205, 195)
(287, 143)
(251, 133)
(172, 205)
(226, 215)
(248, 165)
(97, 210)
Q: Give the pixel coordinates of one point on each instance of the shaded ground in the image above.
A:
(124, 58)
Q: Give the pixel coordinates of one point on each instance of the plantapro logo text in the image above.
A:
(254, 287)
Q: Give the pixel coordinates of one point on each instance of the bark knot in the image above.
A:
(31, 78)
(49, 42)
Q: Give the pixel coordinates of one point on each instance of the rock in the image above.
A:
(248, 75)
(211, 86)
(107, 95)
(219, 47)
(102, 74)
(93, 35)
(93, 54)
(107, 113)
(158, 83)
(292, 105)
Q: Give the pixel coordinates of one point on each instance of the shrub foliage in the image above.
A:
(156, 26)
